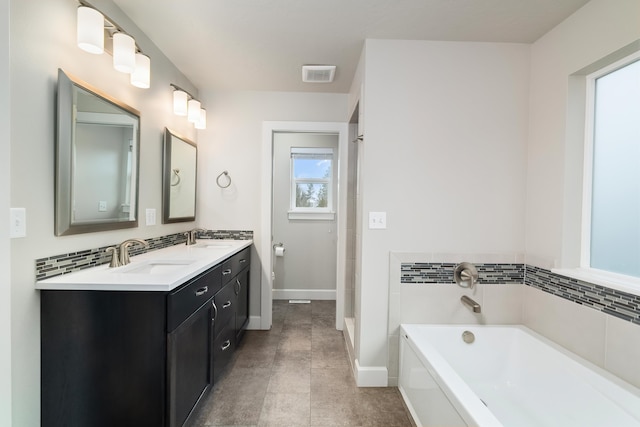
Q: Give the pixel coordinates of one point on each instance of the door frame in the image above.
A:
(268, 129)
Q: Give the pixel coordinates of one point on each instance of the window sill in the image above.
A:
(620, 282)
(318, 216)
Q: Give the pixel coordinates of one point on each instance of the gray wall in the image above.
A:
(42, 40)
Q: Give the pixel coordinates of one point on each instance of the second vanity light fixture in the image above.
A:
(127, 56)
(185, 104)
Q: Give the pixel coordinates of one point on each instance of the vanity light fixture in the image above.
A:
(141, 76)
(180, 99)
(90, 30)
(202, 122)
(193, 110)
(124, 53)
(92, 26)
(185, 104)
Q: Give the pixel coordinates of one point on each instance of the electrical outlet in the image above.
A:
(377, 220)
(102, 206)
(17, 222)
(151, 217)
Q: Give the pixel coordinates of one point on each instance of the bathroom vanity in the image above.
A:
(140, 345)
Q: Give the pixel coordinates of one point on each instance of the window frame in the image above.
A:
(586, 272)
(312, 213)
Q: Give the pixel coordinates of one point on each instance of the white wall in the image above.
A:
(5, 189)
(43, 40)
(233, 142)
(598, 29)
(444, 155)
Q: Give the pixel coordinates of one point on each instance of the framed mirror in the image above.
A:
(97, 160)
(178, 178)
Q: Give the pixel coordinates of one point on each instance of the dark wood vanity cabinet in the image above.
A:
(123, 358)
(231, 306)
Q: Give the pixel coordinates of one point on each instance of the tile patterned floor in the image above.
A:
(298, 374)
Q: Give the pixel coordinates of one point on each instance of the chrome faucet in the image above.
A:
(191, 235)
(124, 249)
(474, 306)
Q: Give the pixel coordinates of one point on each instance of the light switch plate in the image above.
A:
(17, 222)
(377, 220)
(151, 217)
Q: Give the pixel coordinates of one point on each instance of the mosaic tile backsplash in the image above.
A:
(613, 302)
(67, 263)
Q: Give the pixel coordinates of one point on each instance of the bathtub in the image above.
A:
(508, 376)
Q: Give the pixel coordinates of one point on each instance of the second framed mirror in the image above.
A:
(178, 178)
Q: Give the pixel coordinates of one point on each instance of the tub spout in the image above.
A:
(474, 306)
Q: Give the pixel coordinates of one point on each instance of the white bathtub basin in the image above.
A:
(509, 376)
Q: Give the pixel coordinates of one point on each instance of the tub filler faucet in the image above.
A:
(473, 306)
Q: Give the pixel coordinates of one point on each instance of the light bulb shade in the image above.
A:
(124, 53)
(90, 28)
(202, 122)
(141, 76)
(193, 114)
(180, 103)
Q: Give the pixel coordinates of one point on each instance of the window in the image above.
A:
(611, 211)
(312, 182)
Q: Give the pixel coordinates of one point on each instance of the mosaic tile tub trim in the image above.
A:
(443, 273)
(57, 265)
(616, 303)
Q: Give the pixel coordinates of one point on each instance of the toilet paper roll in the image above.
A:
(279, 251)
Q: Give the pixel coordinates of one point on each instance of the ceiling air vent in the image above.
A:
(318, 73)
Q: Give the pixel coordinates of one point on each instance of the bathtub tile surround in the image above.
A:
(597, 323)
(610, 301)
(67, 263)
(421, 272)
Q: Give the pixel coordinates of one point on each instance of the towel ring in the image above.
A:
(225, 173)
(176, 172)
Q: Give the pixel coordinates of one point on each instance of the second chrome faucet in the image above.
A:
(120, 254)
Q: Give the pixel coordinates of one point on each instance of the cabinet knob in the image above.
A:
(202, 291)
(226, 272)
(226, 304)
(215, 310)
(225, 345)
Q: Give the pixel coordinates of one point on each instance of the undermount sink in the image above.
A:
(212, 245)
(157, 266)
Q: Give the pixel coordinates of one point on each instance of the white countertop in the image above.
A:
(159, 270)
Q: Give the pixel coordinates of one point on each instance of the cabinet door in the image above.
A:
(242, 302)
(189, 364)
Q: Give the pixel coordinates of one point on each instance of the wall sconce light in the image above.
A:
(90, 30)
(202, 122)
(180, 99)
(193, 110)
(141, 76)
(127, 56)
(124, 53)
(185, 104)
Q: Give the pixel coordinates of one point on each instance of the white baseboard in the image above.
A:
(315, 294)
(371, 376)
(255, 323)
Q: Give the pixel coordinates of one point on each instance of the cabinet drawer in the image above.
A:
(224, 307)
(223, 348)
(235, 264)
(187, 299)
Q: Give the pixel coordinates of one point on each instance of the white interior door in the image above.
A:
(304, 215)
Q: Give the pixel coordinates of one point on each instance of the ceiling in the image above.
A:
(262, 44)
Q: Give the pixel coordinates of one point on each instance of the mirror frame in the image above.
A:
(64, 159)
(166, 178)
